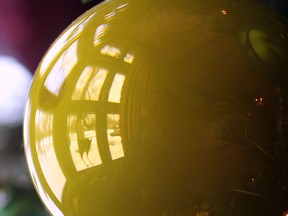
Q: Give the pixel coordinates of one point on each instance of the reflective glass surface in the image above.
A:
(162, 108)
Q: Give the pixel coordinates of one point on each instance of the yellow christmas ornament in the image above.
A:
(161, 108)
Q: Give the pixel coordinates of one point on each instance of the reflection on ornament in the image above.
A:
(162, 108)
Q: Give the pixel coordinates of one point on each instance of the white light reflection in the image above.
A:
(14, 84)
(61, 69)
(99, 33)
(116, 88)
(110, 15)
(114, 138)
(110, 51)
(129, 58)
(42, 193)
(54, 210)
(26, 125)
(122, 6)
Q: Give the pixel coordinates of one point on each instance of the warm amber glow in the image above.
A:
(259, 101)
(224, 12)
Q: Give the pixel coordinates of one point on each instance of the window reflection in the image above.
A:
(114, 138)
(129, 58)
(92, 141)
(110, 51)
(79, 89)
(61, 70)
(46, 153)
(89, 84)
(95, 85)
(99, 33)
(83, 143)
(116, 88)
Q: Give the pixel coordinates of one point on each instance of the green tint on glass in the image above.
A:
(161, 108)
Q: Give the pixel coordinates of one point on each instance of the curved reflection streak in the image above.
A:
(61, 70)
(39, 187)
(99, 33)
(46, 152)
(54, 51)
(68, 36)
(43, 192)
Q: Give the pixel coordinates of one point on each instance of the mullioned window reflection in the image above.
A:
(83, 142)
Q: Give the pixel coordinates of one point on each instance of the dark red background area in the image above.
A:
(28, 27)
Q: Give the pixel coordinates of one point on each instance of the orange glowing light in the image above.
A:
(259, 101)
(224, 12)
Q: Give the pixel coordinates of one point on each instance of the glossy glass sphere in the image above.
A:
(162, 108)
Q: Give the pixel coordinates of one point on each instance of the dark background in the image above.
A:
(27, 28)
